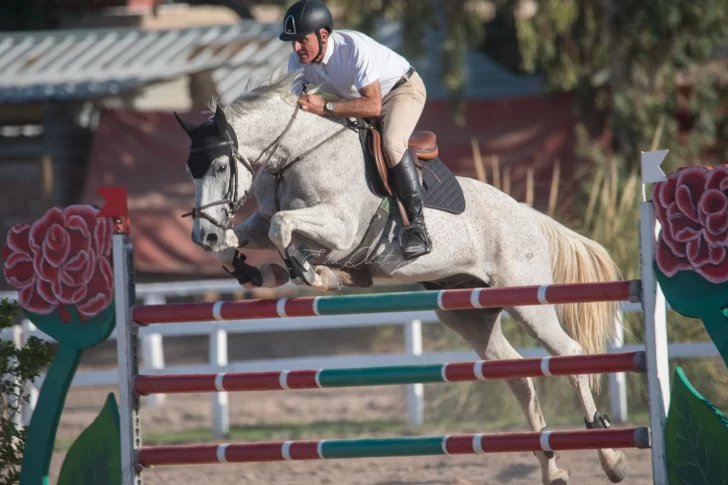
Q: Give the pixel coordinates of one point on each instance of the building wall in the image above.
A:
(25, 184)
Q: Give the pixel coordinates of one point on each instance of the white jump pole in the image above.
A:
(653, 306)
(126, 349)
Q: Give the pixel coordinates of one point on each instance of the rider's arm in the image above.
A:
(368, 106)
(366, 79)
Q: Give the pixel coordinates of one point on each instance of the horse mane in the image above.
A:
(260, 89)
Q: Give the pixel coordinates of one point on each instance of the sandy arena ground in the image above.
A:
(192, 411)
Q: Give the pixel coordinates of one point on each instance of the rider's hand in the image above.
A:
(313, 103)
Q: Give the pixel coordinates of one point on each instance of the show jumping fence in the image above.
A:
(653, 361)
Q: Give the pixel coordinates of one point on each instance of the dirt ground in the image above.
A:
(182, 412)
(193, 411)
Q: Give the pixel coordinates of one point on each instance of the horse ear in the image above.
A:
(220, 120)
(186, 125)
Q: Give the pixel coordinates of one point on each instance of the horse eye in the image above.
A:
(221, 168)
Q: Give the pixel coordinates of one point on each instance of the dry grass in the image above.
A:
(611, 218)
(504, 183)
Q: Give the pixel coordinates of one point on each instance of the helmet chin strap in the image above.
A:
(320, 55)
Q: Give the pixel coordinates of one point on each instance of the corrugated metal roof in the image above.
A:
(96, 62)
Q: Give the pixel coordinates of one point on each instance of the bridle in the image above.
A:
(231, 197)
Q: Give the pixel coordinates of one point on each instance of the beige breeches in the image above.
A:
(401, 110)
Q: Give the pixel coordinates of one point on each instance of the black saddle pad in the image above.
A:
(441, 190)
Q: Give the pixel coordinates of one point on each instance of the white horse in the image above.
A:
(308, 174)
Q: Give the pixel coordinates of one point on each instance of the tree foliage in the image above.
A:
(442, 29)
(634, 66)
(17, 365)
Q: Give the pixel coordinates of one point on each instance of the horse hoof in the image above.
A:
(326, 279)
(616, 468)
(274, 275)
(561, 477)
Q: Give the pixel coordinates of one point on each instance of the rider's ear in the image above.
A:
(220, 120)
(186, 125)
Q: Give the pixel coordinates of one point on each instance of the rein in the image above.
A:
(231, 197)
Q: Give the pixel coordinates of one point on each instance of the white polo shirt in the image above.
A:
(352, 60)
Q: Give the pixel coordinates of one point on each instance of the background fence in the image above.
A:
(152, 341)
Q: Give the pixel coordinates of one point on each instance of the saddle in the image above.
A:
(441, 190)
(422, 146)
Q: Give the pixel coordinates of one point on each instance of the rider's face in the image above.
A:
(307, 48)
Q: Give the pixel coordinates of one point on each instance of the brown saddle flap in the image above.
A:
(423, 144)
(382, 168)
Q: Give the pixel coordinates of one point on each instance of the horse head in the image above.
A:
(222, 176)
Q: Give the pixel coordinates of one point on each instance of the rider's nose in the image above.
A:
(211, 239)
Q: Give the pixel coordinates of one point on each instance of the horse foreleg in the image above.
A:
(334, 279)
(324, 225)
(251, 234)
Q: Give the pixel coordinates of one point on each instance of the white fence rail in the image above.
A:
(217, 332)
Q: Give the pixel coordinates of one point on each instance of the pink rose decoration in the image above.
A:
(692, 206)
(62, 260)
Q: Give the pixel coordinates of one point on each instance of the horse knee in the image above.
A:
(279, 231)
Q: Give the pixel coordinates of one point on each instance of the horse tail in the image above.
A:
(578, 259)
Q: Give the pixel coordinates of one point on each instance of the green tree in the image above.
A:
(444, 29)
(24, 15)
(631, 65)
(634, 66)
(643, 74)
(16, 365)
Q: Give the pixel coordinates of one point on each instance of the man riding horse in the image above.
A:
(374, 83)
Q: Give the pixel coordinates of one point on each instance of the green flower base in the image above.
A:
(73, 338)
(693, 296)
(696, 432)
(696, 437)
(95, 456)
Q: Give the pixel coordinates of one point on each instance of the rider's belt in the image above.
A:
(404, 78)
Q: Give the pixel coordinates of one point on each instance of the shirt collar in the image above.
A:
(329, 50)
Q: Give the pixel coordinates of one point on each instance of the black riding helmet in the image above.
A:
(304, 17)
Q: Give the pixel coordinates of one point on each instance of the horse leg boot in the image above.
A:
(413, 239)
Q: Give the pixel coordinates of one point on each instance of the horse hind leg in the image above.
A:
(482, 330)
(542, 323)
(569, 257)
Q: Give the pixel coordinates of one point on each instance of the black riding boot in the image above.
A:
(414, 240)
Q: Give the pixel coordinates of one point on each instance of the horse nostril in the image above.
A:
(211, 239)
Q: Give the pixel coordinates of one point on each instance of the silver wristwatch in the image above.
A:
(329, 106)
